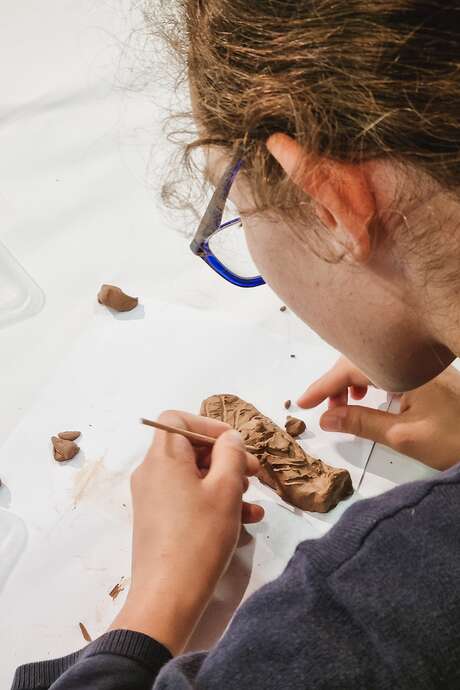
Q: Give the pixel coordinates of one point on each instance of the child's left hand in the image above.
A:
(426, 428)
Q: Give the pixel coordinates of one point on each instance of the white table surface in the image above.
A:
(80, 167)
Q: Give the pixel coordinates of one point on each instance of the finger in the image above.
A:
(229, 461)
(251, 512)
(169, 447)
(204, 425)
(252, 462)
(360, 421)
(252, 465)
(190, 422)
(338, 400)
(334, 383)
(358, 392)
(204, 456)
(170, 444)
(405, 402)
(203, 467)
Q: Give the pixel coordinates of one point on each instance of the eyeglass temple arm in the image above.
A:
(213, 214)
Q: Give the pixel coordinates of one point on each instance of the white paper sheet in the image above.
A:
(78, 514)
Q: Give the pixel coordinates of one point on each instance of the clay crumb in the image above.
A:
(86, 636)
(283, 308)
(63, 450)
(287, 404)
(295, 426)
(69, 435)
(112, 296)
(118, 589)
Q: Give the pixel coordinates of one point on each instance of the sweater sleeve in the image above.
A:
(119, 660)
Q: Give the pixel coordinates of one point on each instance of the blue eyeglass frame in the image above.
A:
(211, 223)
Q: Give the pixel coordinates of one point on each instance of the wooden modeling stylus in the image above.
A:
(196, 439)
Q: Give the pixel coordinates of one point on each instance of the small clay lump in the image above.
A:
(113, 297)
(295, 426)
(63, 449)
(69, 435)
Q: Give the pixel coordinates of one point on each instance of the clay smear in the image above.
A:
(86, 478)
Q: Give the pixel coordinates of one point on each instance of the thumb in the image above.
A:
(228, 460)
(359, 421)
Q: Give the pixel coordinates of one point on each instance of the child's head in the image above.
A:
(355, 197)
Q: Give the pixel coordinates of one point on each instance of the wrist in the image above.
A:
(164, 613)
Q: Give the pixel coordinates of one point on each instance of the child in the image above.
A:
(334, 128)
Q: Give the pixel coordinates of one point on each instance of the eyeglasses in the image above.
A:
(220, 240)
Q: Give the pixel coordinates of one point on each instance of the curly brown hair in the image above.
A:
(353, 80)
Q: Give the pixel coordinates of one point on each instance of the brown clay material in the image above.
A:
(85, 633)
(64, 450)
(298, 478)
(114, 297)
(295, 426)
(118, 589)
(287, 404)
(69, 435)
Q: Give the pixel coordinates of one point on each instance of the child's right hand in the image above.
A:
(426, 428)
(187, 513)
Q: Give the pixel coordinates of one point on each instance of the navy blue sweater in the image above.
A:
(373, 605)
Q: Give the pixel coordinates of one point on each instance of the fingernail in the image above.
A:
(233, 438)
(334, 420)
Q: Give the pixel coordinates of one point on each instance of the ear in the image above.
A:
(342, 192)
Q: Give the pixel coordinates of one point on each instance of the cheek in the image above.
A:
(350, 307)
(301, 280)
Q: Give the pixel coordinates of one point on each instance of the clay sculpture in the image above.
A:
(298, 478)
